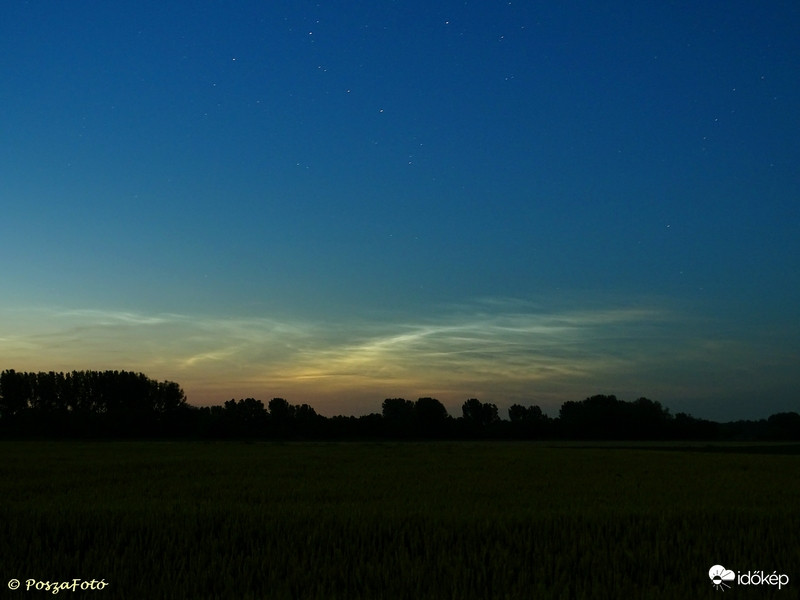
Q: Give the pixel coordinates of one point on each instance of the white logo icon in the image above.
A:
(719, 575)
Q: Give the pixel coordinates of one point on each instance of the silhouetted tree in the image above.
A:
(647, 420)
(784, 426)
(245, 418)
(280, 410)
(124, 404)
(431, 417)
(398, 417)
(479, 419)
(168, 397)
(108, 403)
(307, 422)
(47, 399)
(606, 417)
(687, 427)
(15, 393)
(593, 418)
(397, 409)
(528, 422)
(478, 413)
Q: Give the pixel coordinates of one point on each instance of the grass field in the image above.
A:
(395, 520)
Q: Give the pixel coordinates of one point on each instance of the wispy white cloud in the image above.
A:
(505, 349)
(108, 317)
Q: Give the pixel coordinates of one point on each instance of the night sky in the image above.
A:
(340, 202)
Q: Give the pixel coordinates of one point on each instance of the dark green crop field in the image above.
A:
(395, 520)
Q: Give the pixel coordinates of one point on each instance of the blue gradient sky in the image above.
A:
(337, 203)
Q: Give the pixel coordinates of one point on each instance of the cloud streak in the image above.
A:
(502, 349)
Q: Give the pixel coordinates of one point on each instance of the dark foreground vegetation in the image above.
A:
(122, 404)
(412, 520)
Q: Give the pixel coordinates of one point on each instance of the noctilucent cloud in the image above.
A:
(336, 203)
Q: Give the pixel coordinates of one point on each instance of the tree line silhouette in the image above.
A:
(123, 404)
